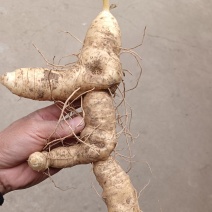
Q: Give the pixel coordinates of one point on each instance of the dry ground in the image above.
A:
(172, 104)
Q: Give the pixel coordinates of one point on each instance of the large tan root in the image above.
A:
(95, 77)
(118, 191)
(98, 67)
(98, 138)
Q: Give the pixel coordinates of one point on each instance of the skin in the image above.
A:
(24, 137)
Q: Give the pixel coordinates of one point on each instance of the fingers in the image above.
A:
(51, 112)
(61, 129)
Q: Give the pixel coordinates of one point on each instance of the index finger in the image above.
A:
(52, 112)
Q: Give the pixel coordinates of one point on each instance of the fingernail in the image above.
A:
(77, 123)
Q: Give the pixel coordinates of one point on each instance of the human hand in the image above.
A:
(25, 136)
